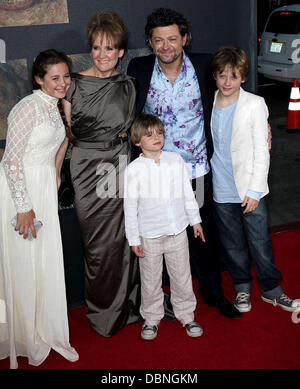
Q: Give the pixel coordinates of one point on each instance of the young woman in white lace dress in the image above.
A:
(33, 309)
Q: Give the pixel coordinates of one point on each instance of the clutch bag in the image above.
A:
(37, 225)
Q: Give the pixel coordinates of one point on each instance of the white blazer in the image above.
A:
(249, 146)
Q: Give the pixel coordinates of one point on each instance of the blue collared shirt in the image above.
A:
(179, 107)
(224, 188)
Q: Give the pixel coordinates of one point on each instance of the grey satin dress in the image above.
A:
(102, 108)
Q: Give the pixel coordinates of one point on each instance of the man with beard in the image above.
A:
(179, 89)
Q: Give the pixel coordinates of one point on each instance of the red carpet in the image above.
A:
(264, 338)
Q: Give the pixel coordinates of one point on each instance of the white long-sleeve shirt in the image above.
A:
(158, 198)
(32, 125)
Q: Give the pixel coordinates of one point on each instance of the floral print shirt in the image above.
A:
(179, 107)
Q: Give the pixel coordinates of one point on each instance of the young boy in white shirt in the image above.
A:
(240, 166)
(159, 203)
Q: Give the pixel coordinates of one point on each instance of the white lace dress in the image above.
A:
(33, 310)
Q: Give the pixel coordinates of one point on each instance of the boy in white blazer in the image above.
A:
(240, 166)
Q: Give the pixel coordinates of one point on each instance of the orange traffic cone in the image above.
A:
(293, 117)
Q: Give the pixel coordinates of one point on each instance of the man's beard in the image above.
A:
(170, 59)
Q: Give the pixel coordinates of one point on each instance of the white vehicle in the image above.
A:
(279, 54)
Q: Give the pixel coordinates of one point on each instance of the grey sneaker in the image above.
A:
(149, 332)
(193, 329)
(242, 302)
(284, 302)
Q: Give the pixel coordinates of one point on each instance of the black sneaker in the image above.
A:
(284, 302)
(242, 302)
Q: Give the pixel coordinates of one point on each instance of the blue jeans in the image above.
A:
(245, 237)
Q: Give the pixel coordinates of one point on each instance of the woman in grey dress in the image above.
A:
(100, 107)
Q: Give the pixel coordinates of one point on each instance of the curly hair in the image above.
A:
(111, 25)
(162, 17)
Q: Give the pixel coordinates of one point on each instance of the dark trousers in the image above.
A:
(245, 237)
(204, 257)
